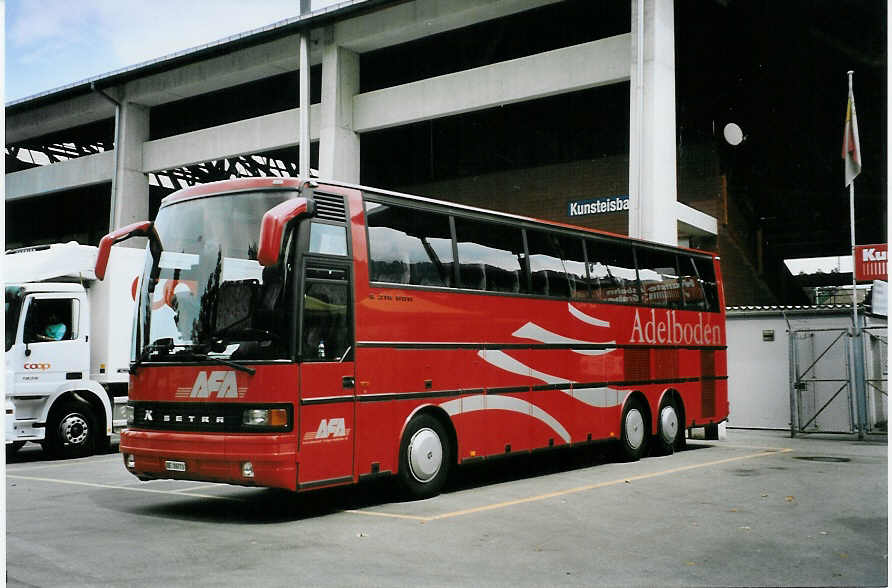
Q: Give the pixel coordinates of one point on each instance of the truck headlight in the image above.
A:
(265, 417)
(128, 412)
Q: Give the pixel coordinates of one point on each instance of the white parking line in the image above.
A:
(29, 466)
(185, 492)
(499, 505)
(202, 487)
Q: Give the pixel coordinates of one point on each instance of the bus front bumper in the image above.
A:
(268, 460)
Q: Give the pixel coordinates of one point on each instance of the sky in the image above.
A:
(54, 43)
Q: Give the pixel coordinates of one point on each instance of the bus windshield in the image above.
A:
(212, 297)
(14, 296)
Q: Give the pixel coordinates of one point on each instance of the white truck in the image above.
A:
(68, 341)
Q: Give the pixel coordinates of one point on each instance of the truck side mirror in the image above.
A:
(140, 229)
(273, 225)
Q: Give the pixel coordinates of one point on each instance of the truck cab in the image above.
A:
(67, 348)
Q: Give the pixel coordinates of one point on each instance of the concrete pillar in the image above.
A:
(303, 132)
(130, 186)
(303, 85)
(338, 143)
(652, 158)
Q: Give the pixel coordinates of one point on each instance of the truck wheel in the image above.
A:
(70, 430)
(425, 457)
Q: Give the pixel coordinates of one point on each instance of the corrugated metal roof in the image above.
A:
(797, 309)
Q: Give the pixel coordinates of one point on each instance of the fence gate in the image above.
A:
(821, 395)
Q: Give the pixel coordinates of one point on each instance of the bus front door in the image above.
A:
(327, 378)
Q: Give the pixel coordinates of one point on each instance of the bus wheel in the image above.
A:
(425, 456)
(634, 437)
(70, 430)
(668, 429)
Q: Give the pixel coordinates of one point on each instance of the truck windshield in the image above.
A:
(212, 297)
(14, 297)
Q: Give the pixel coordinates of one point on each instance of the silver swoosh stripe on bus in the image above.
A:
(537, 333)
(509, 403)
(586, 318)
(603, 397)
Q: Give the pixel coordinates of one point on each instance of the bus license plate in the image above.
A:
(175, 466)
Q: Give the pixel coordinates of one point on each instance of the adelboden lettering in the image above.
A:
(669, 330)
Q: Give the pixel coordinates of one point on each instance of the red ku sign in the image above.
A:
(870, 262)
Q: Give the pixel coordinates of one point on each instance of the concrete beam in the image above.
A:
(210, 75)
(692, 222)
(65, 175)
(253, 135)
(413, 20)
(390, 26)
(57, 116)
(596, 63)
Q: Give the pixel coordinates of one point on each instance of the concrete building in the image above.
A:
(537, 107)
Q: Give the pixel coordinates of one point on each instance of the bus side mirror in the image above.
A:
(273, 225)
(140, 229)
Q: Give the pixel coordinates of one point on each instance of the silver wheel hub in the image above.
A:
(425, 455)
(668, 424)
(74, 429)
(634, 428)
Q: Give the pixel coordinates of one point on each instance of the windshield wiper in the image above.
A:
(166, 345)
(226, 362)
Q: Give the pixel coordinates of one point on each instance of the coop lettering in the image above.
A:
(668, 329)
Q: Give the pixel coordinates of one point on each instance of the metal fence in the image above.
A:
(823, 385)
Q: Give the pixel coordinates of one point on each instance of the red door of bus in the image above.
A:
(327, 419)
(327, 377)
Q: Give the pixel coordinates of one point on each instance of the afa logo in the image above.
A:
(328, 430)
(221, 383)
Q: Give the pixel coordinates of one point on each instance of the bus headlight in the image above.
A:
(265, 417)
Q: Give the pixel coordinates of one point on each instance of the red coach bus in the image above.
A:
(302, 335)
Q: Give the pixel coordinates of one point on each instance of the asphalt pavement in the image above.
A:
(755, 509)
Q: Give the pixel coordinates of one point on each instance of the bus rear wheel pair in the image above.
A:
(635, 438)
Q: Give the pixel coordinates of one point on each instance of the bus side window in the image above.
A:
(691, 285)
(706, 275)
(547, 276)
(497, 248)
(408, 246)
(658, 273)
(573, 256)
(611, 269)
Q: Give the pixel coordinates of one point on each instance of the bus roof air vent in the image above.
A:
(330, 207)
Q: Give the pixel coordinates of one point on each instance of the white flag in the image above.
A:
(851, 147)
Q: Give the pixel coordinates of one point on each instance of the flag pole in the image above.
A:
(852, 221)
(857, 349)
